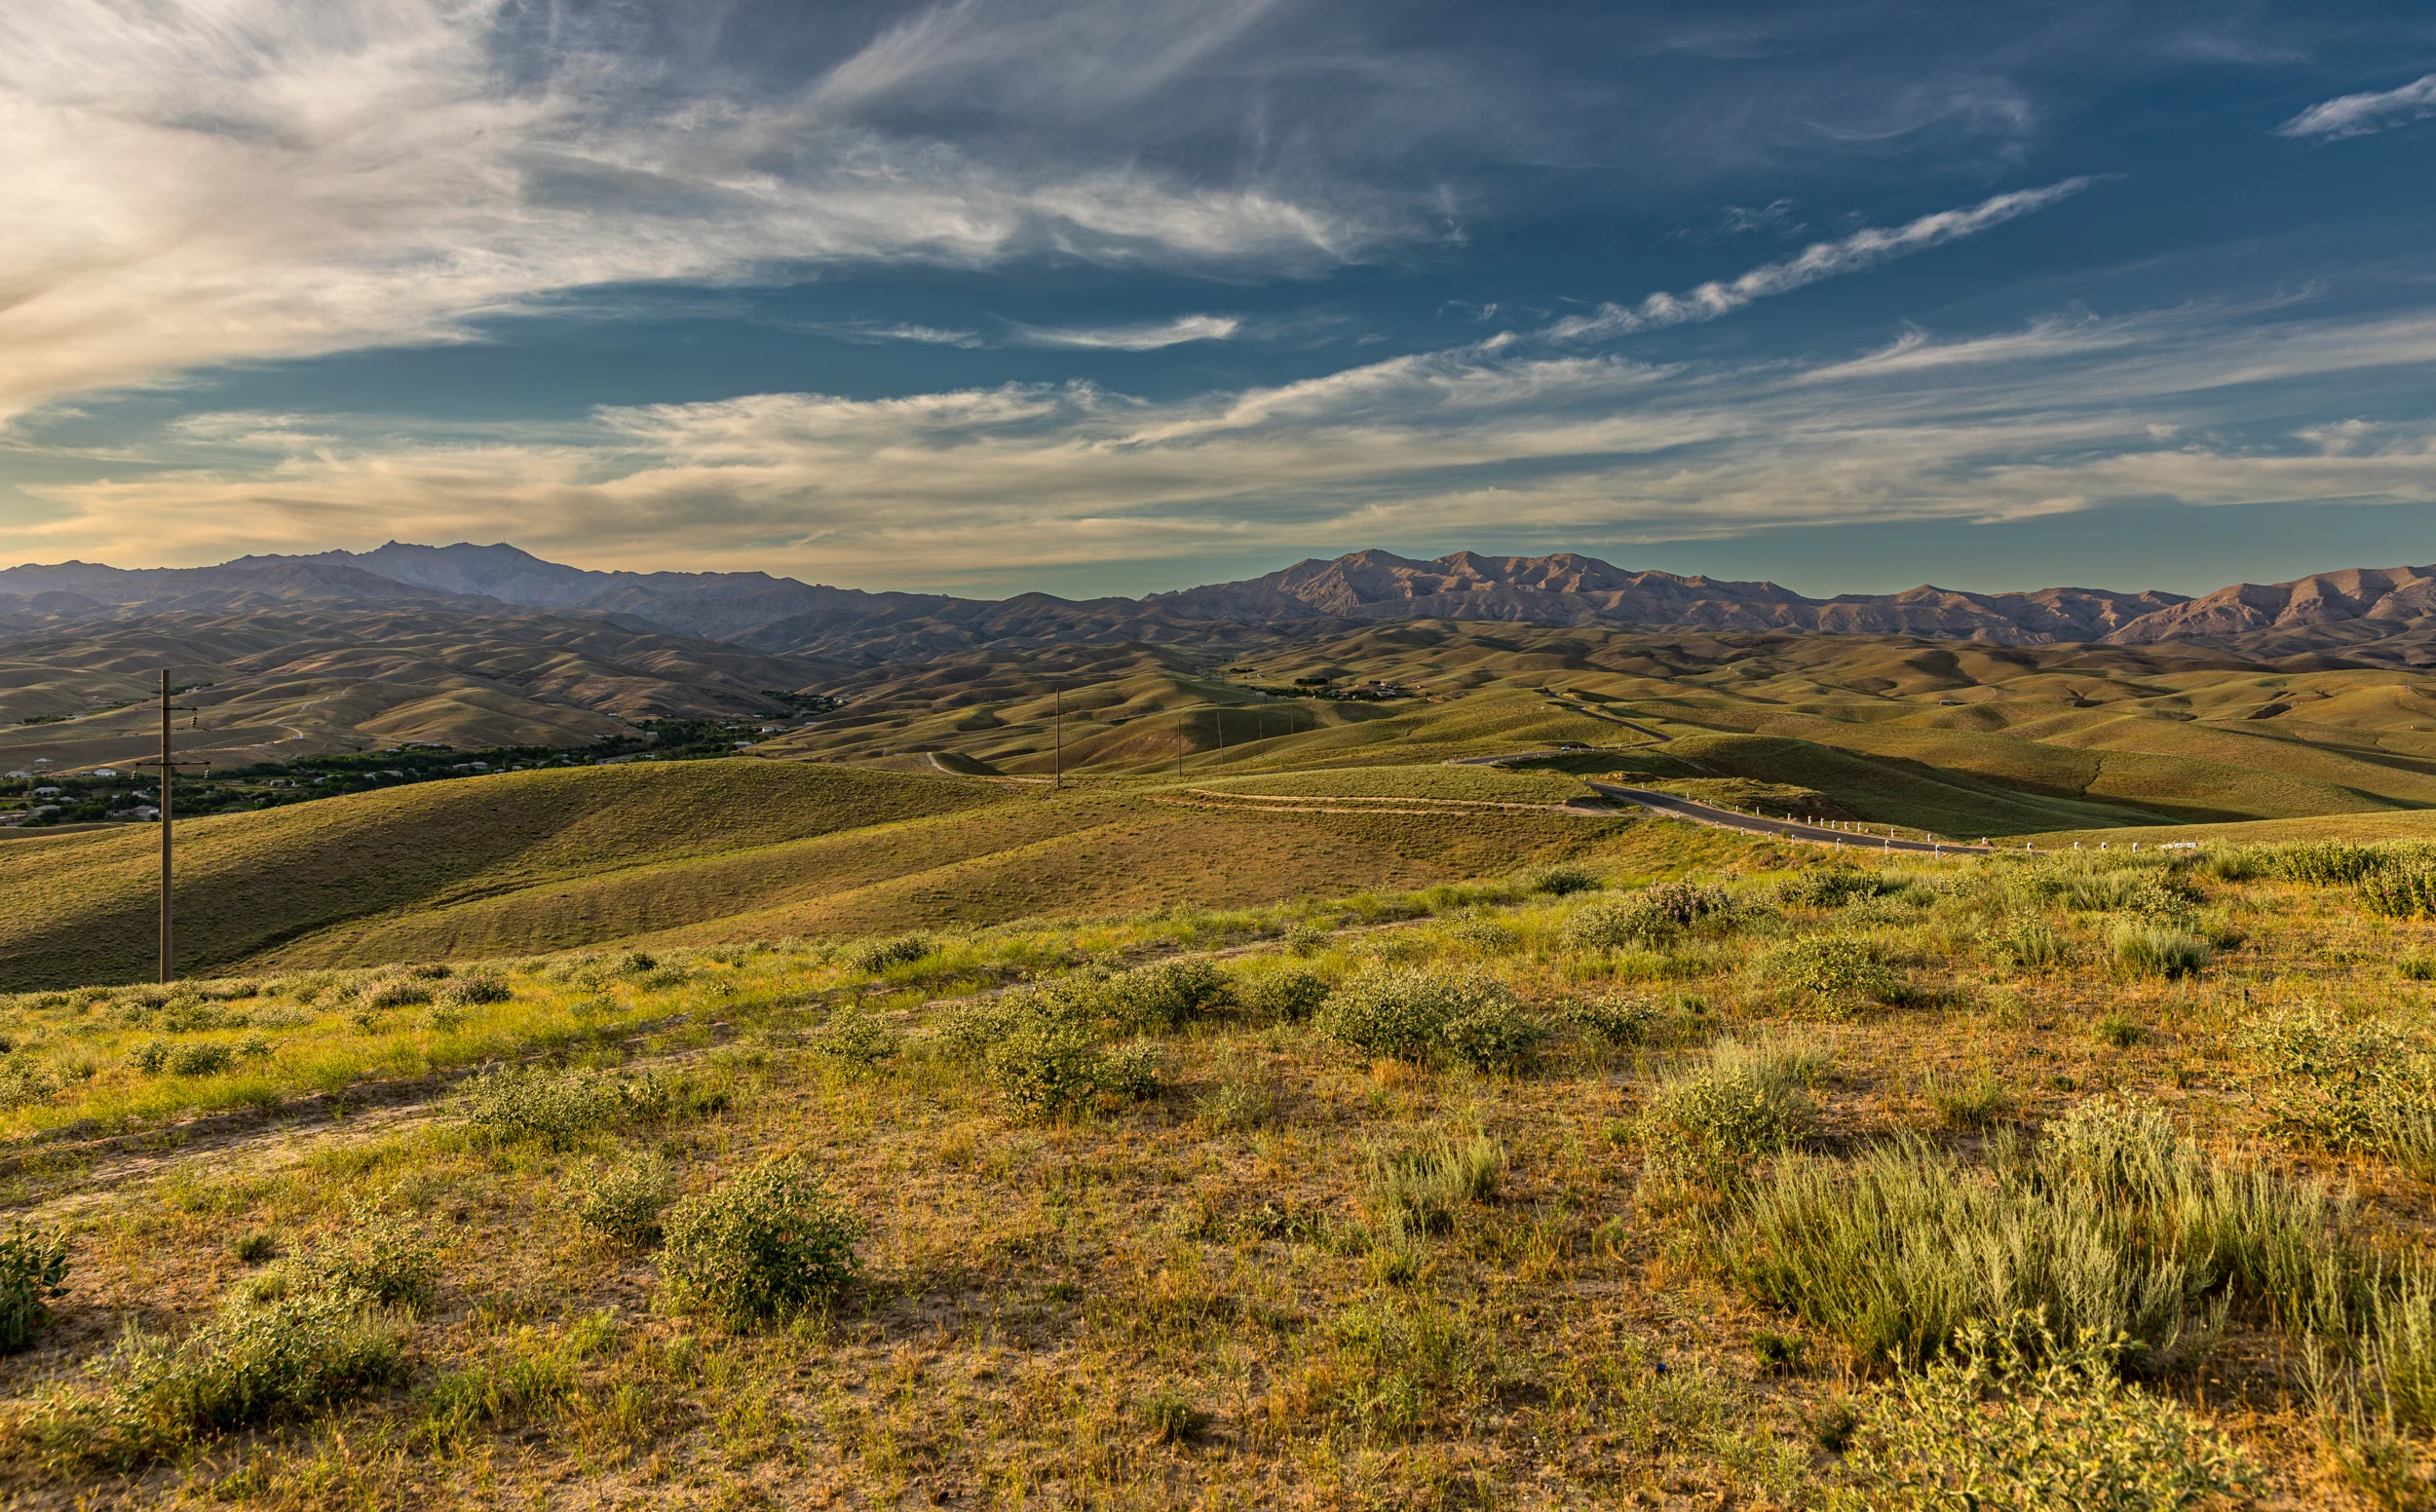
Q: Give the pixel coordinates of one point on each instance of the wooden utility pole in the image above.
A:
(169, 764)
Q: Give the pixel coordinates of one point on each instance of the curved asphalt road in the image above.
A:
(1785, 829)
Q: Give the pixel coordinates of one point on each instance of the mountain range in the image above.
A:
(2384, 617)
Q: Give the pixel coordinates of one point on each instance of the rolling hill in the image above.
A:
(539, 860)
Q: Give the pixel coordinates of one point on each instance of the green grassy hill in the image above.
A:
(80, 908)
(702, 850)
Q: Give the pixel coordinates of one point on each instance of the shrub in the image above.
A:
(854, 1040)
(33, 1271)
(2404, 890)
(1494, 1037)
(1739, 1102)
(2354, 1087)
(253, 1363)
(396, 992)
(626, 1198)
(2120, 1032)
(2037, 1426)
(1827, 887)
(2324, 862)
(1485, 934)
(1619, 1021)
(1288, 995)
(769, 1243)
(25, 1082)
(2157, 950)
(1653, 916)
(1045, 1066)
(1406, 1012)
(874, 957)
(1166, 996)
(382, 1257)
(475, 989)
(1423, 1189)
(539, 1102)
(253, 1249)
(1830, 966)
(1558, 880)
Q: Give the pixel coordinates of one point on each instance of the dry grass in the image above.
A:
(1292, 1277)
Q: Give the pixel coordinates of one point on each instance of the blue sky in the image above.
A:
(995, 295)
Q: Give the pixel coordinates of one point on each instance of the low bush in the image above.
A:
(2157, 950)
(1738, 1103)
(1165, 996)
(33, 1273)
(25, 1081)
(874, 957)
(1560, 881)
(396, 992)
(1833, 968)
(1617, 1020)
(2355, 1087)
(2323, 863)
(1288, 995)
(853, 1041)
(381, 1258)
(256, 1362)
(1827, 887)
(558, 1106)
(1421, 1013)
(2013, 1419)
(1653, 916)
(2405, 889)
(769, 1243)
(475, 989)
(626, 1198)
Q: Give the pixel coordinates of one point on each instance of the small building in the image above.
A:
(105, 771)
(45, 792)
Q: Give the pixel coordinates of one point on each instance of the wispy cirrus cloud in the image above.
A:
(1146, 337)
(1861, 250)
(197, 183)
(2362, 115)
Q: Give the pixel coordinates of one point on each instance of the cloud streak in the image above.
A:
(1855, 253)
(1148, 338)
(990, 486)
(2362, 115)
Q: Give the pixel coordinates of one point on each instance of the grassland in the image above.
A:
(1594, 1245)
(699, 852)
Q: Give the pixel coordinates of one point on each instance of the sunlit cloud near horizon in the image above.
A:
(1095, 297)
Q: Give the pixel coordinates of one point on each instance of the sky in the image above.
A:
(997, 296)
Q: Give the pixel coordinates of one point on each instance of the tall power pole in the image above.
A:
(168, 765)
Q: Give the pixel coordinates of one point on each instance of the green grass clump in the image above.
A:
(1422, 1014)
(769, 1243)
(2029, 943)
(2157, 950)
(2013, 1419)
(1424, 1190)
(1558, 880)
(2114, 1228)
(1738, 1103)
(2405, 889)
(384, 1258)
(33, 1273)
(1981, 1102)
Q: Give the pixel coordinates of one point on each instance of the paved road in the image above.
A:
(1787, 829)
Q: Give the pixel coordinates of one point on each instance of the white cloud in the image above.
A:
(2359, 115)
(196, 182)
(1132, 338)
(1862, 250)
(983, 485)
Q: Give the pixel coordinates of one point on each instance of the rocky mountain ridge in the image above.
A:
(2379, 615)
